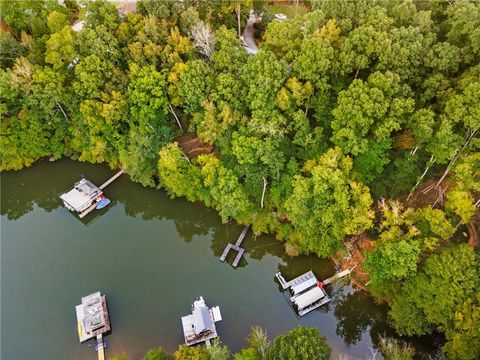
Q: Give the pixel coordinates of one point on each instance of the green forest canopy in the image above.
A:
(340, 107)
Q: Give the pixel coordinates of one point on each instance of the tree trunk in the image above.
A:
(61, 109)
(237, 10)
(356, 73)
(429, 165)
(263, 192)
(170, 108)
(455, 158)
(473, 242)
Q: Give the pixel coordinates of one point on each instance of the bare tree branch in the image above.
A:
(203, 39)
(264, 189)
(170, 108)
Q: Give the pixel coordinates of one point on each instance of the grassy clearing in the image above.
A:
(288, 9)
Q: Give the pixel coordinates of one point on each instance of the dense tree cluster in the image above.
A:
(340, 107)
(301, 343)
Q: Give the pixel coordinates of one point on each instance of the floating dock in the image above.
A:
(200, 327)
(307, 293)
(236, 247)
(84, 197)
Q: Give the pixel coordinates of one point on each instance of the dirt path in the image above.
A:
(192, 147)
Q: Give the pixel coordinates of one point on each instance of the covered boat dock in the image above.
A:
(93, 321)
(200, 327)
(85, 196)
(92, 316)
(307, 293)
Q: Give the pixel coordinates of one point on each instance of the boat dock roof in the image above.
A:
(81, 196)
(298, 282)
(308, 293)
(200, 325)
(92, 316)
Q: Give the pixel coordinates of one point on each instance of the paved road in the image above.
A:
(248, 38)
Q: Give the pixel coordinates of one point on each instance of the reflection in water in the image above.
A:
(35, 185)
(356, 312)
(249, 294)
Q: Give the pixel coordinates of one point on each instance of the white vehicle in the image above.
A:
(280, 16)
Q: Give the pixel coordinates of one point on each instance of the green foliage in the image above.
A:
(26, 15)
(337, 98)
(169, 10)
(259, 344)
(227, 196)
(101, 12)
(185, 352)
(327, 206)
(461, 203)
(247, 354)
(147, 94)
(463, 339)
(119, 357)
(366, 115)
(394, 350)
(392, 260)
(10, 49)
(179, 176)
(447, 280)
(194, 84)
(56, 21)
(463, 21)
(405, 235)
(301, 343)
(217, 351)
(157, 354)
(60, 48)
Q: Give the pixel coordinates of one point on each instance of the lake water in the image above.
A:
(152, 256)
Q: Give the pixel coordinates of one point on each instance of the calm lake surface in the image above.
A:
(152, 256)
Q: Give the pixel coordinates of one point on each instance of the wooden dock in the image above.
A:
(112, 179)
(100, 347)
(236, 247)
(306, 284)
(101, 187)
(337, 276)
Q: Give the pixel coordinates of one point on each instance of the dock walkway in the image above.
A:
(101, 187)
(100, 347)
(236, 247)
(337, 276)
(112, 179)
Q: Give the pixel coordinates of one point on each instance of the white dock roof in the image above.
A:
(81, 196)
(92, 316)
(76, 199)
(306, 299)
(296, 289)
